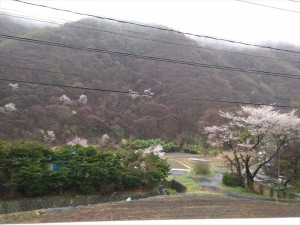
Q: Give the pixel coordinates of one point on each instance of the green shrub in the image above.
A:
(170, 147)
(213, 152)
(192, 149)
(171, 191)
(141, 144)
(231, 180)
(202, 168)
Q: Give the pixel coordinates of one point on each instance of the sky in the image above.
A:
(228, 19)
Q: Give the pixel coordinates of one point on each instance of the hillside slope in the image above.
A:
(172, 112)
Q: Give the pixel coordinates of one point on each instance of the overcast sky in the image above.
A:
(227, 18)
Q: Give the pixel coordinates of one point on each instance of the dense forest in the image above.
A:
(93, 93)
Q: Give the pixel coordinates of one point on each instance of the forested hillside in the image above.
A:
(173, 108)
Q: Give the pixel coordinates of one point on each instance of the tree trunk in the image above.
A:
(249, 176)
(239, 169)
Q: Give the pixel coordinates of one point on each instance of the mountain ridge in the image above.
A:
(170, 113)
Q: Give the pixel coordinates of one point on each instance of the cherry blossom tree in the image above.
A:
(64, 98)
(14, 86)
(156, 150)
(254, 137)
(10, 107)
(147, 93)
(82, 99)
(49, 136)
(77, 141)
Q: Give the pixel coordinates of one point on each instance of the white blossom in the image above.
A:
(2, 109)
(148, 93)
(49, 136)
(255, 136)
(10, 107)
(250, 124)
(14, 86)
(104, 139)
(133, 94)
(77, 141)
(83, 99)
(64, 98)
(156, 150)
(74, 112)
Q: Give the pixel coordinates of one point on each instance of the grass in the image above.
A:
(246, 192)
(188, 181)
(21, 217)
(171, 191)
(192, 186)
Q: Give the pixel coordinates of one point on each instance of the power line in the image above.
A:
(129, 31)
(64, 20)
(62, 73)
(158, 59)
(147, 39)
(268, 6)
(73, 26)
(294, 1)
(230, 102)
(128, 92)
(155, 27)
(65, 86)
(49, 71)
(80, 75)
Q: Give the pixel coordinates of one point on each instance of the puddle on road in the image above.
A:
(178, 172)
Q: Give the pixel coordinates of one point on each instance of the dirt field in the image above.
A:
(176, 207)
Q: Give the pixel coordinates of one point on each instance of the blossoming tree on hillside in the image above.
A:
(254, 136)
(10, 107)
(82, 99)
(49, 136)
(77, 141)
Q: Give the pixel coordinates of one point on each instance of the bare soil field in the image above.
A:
(175, 207)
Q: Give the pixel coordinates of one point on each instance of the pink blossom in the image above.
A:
(77, 141)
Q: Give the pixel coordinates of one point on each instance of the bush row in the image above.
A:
(172, 147)
(32, 169)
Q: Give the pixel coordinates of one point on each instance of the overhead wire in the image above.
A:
(76, 74)
(157, 59)
(126, 30)
(220, 100)
(268, 6)
(128, 93)
(64, 86)
(294, 1)
(147, 39)
(155, 27)
(62, 73)
(230, 102)
(297, 77)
